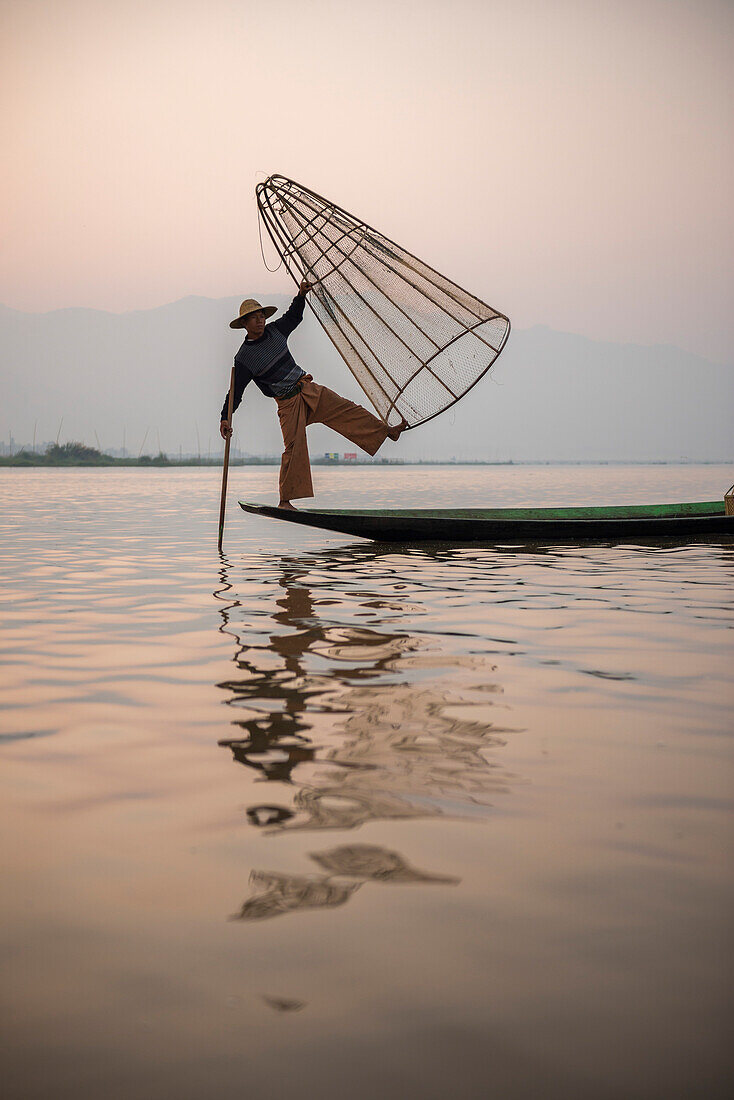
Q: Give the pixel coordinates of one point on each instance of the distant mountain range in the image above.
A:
(552, 396)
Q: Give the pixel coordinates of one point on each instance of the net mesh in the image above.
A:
(414, 341)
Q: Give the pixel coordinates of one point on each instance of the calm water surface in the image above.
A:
(344, 820)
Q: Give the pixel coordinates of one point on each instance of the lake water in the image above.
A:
(325, 818)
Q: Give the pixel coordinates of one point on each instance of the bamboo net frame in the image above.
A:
(415, 342)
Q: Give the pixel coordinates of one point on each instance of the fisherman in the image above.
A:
(265, 359)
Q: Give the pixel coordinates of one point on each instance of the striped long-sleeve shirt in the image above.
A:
(267, 361)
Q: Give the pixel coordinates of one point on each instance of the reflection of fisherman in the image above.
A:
(396, 751)
(272, 746)
(277, 743)
(264, 357)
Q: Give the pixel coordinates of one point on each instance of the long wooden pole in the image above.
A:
(225, 467)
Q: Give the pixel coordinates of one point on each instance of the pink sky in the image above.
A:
(570, 161)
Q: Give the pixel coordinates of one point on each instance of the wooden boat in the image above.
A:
(616, 523)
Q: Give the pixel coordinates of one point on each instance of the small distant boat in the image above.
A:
(488, 525)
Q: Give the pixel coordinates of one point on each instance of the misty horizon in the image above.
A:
(147, 381)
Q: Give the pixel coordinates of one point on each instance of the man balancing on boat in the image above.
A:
(265, 359)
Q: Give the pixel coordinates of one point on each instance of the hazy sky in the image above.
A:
(570, 161)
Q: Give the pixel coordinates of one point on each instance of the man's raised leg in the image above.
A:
(356, 424)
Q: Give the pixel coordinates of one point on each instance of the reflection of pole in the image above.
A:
(222, 594)
(225, 466)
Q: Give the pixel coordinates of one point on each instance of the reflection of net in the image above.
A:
(276, 893)
(279, 893)
(414, 341)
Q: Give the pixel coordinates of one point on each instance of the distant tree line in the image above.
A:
(78, 454)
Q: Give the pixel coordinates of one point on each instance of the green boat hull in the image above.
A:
(616, 523)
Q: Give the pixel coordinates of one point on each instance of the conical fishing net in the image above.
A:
(414, 341)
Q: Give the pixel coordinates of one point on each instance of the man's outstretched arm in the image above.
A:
(294, 314)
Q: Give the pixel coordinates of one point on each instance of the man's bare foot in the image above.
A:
(395, 433)
(287, 504)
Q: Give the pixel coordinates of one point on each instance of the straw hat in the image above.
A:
(250, 306)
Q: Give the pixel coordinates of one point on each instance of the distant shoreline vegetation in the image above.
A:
(79, 454)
